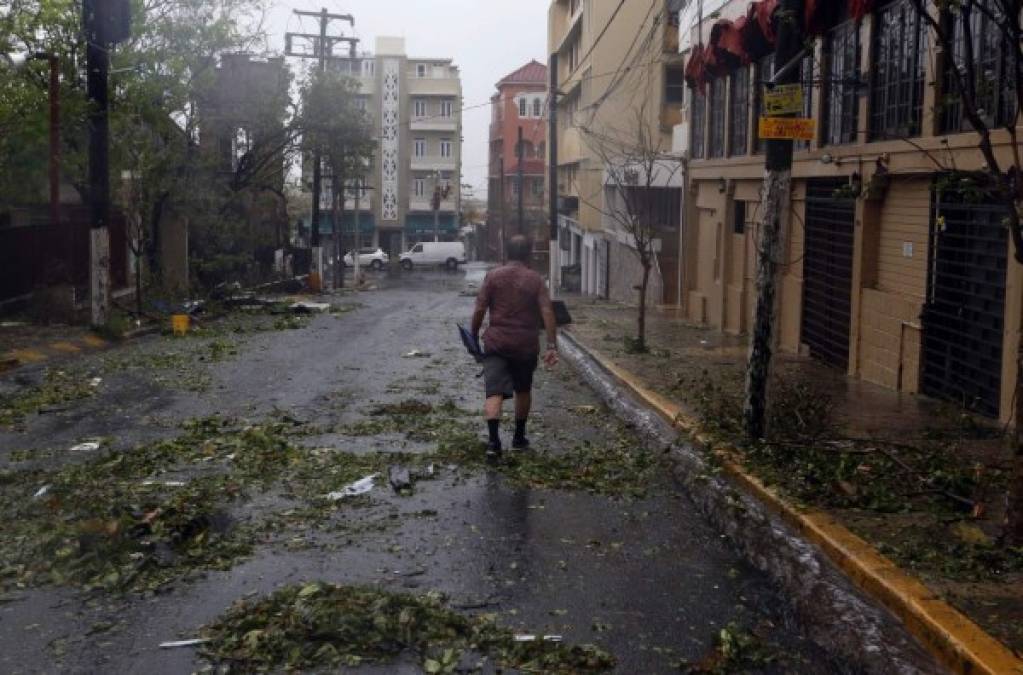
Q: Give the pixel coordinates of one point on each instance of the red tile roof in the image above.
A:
(532, 72)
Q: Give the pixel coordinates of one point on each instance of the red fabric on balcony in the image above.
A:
(860, 8)
(822, 15)
(694, 69)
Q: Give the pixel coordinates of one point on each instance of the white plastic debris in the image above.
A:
(88, 446)
(164, 483)
(311, 307)
(533, 638)
(359, 487)
(95, 382)
(183, 643)
(41, 492)
(415, 354)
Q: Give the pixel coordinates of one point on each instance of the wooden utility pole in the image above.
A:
(552, 172)
(776, 205)
(519, 178)
(323, 50)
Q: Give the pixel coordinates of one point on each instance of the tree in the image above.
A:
(636, 166)
(333, 124)
(984, 41)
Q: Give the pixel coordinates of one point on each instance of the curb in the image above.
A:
(950, 637)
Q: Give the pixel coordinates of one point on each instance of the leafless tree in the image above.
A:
(635, 164)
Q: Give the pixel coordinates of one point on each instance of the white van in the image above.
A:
(451, 254)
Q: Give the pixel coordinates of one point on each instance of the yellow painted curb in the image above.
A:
(94, 341)
(65, 347)
(950, 636)
(28, 355)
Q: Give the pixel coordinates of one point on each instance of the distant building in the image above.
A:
(415, 107)
(520, 103)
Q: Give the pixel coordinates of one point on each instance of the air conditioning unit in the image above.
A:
(568, 204)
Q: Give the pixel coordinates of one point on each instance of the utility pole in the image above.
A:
(776, 205)
(104, 23)
(357, 239)
(324, 48)
(504, 210)
(435, 203)
(552, 172)
(519, 178)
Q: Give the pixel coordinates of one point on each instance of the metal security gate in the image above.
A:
(827, 271)
(964, 314)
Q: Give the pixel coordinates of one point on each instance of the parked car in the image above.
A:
(451, 254)
(368, 257)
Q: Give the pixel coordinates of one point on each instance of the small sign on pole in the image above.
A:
(783, 99)
(786, 128)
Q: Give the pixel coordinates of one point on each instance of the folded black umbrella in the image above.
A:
(472, 345)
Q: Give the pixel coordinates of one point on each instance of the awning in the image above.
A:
(367, 222)
(422, 223)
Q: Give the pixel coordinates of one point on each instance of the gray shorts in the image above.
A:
(504, 376)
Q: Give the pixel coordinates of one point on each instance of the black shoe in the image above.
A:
(493, 452)
(520, 442)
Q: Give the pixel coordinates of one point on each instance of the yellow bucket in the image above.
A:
(179, 323)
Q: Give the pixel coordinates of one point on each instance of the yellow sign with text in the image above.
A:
(786, 128)
(783, 99)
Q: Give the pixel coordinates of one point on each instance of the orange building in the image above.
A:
(520, 103)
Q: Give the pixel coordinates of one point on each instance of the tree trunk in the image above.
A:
(1012, 534)
(138, 283)
(776, 197)
(641, 319)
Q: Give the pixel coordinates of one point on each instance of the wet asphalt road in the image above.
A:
(648, 579)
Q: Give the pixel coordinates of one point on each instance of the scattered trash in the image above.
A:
(88, 446)
(416, 354)
(425, 473)
(359, 487)
(585, 409)
(184, 643)
(42, 492)
(310, 307)
(12, 324)
(95, 382)
(164, 483)
(534, 638)
(400, 479)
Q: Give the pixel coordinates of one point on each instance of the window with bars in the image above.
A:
(842, 83)
(992, 68)
(716, 113)
(697, 124)
(897, 80)
(738, 103)
(764, 71)
(806, 78)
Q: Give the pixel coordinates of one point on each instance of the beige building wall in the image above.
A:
(892, 238)
(601, 99)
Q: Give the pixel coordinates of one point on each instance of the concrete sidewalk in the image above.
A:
(691, 369)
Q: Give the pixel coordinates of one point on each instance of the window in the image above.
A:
(538, 187)
(992, 69)
(361, 103)
(522, 107)
(717, 118)
(445, 147)
(662, 207)
(418, 248)
(420, 147)
(541, 150)
(806, 78)
(420, 107)
(739, 108)
(739, 217)
(537, 108)
(515, 186)
(674, 85)
(765, 71)
(842, 84)
(368, 67)
(698, 124)
(897, 83)
(573, 56)
(420, 187)
(445, 108)
(421, 70)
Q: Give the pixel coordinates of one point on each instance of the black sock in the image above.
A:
(493, 427)
(520, 428)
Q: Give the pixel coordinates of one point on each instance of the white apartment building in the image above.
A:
(415, 106)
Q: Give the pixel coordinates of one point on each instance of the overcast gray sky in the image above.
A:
(486, 38)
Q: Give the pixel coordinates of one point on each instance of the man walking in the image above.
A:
(517, 300)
